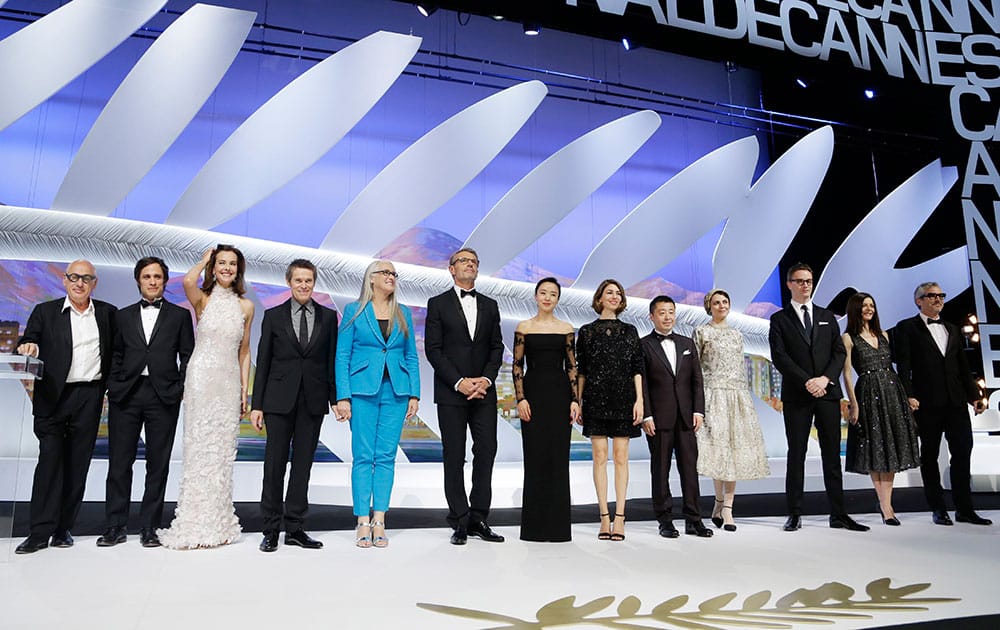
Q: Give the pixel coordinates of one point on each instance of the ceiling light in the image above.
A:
(532, 28)
(426, 9)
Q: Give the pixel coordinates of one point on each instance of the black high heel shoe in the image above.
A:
(893, 521)
(618, 536)
(729, 527)
(605, 535)
(717, 520)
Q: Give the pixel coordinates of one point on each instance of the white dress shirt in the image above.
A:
(670, 349)
(85, 365)
(939, 332)
(797, 307)
(149, 315)
(469, 308)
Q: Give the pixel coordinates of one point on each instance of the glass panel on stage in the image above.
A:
(17, 380)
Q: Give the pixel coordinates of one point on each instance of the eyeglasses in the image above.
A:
(802, 282)
(75, 277)
(387, 273)
(934, 296)
(464, 260)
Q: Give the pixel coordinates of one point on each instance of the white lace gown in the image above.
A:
(205, 515)
(731, 443)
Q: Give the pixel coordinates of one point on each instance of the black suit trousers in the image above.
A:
(125, 420)
(480, 418)
(297, 431)
(680, 441)
(65, 445)
(952, 422)
(798, 422)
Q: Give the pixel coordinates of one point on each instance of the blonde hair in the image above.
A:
(396, 316)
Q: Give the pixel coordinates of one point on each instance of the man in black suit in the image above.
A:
(153, 342)
(464, 345)
(936, 376)
(807, 350)
(294, 389)
(675, 408)
(73, 336)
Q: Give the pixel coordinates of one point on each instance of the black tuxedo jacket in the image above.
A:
(666, 393)
(283, 366)
(453, 354)
(800, 357)
(49, 327)
(934, 379)
(166, 354)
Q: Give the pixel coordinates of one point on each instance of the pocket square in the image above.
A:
(685, 353)
(823, 323)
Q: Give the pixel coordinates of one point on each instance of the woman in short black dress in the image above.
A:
(547, 407)
(882, 437)
(609, 377)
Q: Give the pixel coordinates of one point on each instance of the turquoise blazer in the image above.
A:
(363, 356)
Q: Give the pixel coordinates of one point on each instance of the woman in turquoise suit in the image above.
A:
(378, 386)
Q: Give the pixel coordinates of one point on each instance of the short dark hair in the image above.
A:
(660, 299)
(854, 321)
(550, 280)
(596, 303)
(798, 267)
(299, 263)
(151, 260)
(451, 259)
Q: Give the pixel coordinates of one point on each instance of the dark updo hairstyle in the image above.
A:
(550, 280)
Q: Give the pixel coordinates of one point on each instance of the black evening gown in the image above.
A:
(885, 437)
(548, 385)
(609, 356)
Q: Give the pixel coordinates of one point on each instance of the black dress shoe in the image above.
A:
(32, 544)
(148, 537)
(270, 542)
(940, 517)
(667, 530)
(483, 531)
(62, 539)
(843, 521)
(793, 523)
(302, 539)
(112, 536)
(459, 536)
(697, 528)
(972, 518)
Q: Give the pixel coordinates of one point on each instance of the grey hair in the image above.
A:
(367, 292)
(921, 289)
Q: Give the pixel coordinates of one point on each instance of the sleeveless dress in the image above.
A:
(205, 515)
(730, 443)
(549, 387)
(885, 437)
(609, 356)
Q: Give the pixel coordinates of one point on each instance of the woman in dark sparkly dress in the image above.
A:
(882, 437)
(547, 407)
(609, 382)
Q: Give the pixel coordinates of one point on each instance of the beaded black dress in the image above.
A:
(885, 437)
(608, 355)
(545, 375)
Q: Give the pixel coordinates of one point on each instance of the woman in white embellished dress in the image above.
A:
(215, 396)
(730, 443)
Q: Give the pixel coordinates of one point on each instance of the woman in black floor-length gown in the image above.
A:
(544, 384)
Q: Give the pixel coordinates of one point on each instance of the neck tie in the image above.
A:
(661, 337)
(155, 303)
(464, 293)
(303, 327)
(806, 320)
(934, 321)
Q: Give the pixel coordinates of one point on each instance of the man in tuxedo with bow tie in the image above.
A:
(938, 382)
(808, 351)
(293, 390)
(73, 336)
(674, 403)
(464, 345)
(153, 342)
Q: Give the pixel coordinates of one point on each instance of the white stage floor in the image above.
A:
(420, 577)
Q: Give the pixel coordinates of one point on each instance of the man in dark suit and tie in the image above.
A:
(153, 342)
(936, 376)
(294, 389)
(464, 345)
(73, 336)
(674, 401)
(807, 350)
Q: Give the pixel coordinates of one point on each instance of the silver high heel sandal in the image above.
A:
(379, 541)
(364, 541)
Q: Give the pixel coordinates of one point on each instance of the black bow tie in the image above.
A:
(155, 303)
(934, 321)
(463, 292)
(661, 337)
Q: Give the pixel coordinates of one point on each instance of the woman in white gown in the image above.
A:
(215, 396)
(730, 443)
